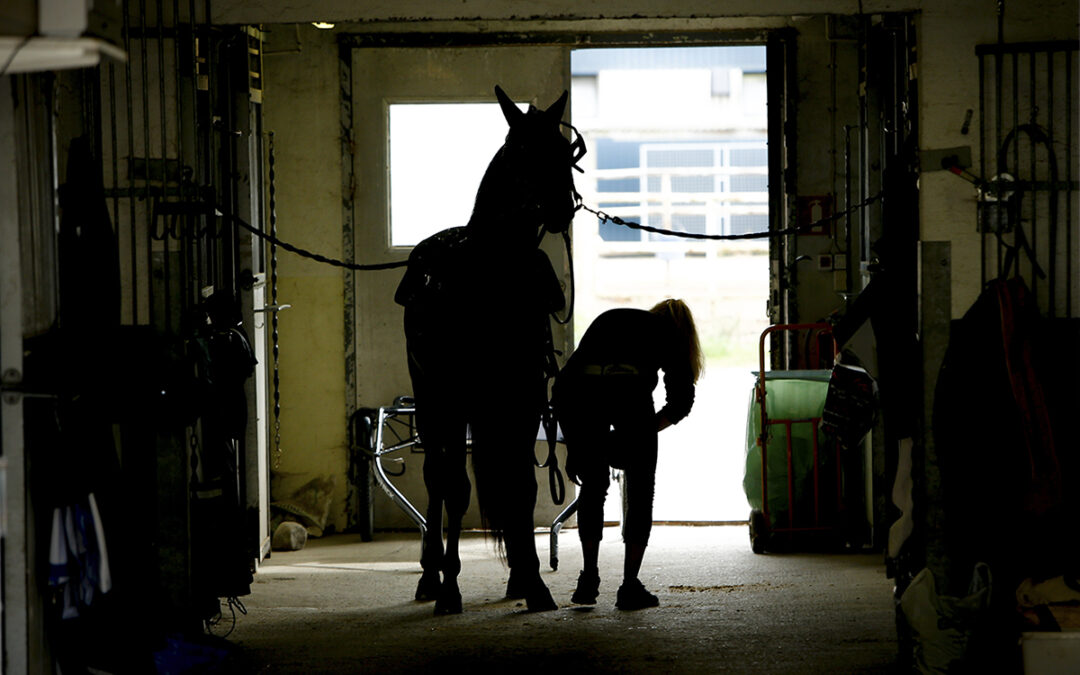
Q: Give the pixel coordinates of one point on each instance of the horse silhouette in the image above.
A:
(478, 303)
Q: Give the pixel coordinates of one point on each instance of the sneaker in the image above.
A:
(632, 595)
(588, 588)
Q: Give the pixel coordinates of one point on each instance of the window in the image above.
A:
(438, 154)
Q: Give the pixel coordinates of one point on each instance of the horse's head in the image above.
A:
(530, 180)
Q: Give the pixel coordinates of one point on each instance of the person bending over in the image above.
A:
(603, 398)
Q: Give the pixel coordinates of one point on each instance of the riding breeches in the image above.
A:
(610, 421)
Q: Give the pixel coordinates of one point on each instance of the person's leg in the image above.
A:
(584, 436)
(594, 485)
(639, 483)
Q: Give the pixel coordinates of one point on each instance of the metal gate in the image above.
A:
(1028, 205)
(181, 158)
(178, 131)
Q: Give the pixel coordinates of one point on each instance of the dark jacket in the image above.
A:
(638, 343)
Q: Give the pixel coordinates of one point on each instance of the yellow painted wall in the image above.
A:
(301, 110)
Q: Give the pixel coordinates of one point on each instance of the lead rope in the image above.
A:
(274, 304)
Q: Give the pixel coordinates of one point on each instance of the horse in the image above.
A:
(478, 303)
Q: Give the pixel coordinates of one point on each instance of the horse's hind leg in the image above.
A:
(457, 494)
(503, 455)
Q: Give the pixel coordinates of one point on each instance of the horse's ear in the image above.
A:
(555, 112)
(510, 111)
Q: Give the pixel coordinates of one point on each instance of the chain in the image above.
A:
(608, 218)
(304, 253)
(274, 304)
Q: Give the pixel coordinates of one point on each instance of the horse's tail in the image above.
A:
(504, 468)
(492, 495)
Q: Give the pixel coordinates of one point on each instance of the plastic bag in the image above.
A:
(942, 627)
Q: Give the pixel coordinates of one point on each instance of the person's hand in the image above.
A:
(572, 470)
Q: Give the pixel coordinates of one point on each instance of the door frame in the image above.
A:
(780, 45)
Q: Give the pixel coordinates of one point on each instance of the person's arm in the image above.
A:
(662, 422)
(679, 389)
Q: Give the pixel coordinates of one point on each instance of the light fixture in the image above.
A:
(322, 25)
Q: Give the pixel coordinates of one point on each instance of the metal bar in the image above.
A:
(183, 245)
(817, 478)
(213, 153)
(128, 98)
(115, 159)
(1032, 110)
(384, 481)
(1015, 147)
(145, 93)
(849, 273)
(556, 526)
(1070, 98)
(982, 169)
(164, 161)
(1000, 48)
(999, 63)
(200, 179)
(790, 476)
(573, 39)
(839, 477)
(1051, 205)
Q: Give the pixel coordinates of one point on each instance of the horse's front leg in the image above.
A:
(458, 490)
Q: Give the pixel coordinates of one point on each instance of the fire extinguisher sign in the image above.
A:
(813, 214)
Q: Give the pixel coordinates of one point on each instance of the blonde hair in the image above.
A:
(680, 315)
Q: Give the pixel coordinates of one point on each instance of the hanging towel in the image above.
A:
(104, 574)
(58, 560)
(78, 559)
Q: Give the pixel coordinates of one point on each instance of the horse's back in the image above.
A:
(434, 271)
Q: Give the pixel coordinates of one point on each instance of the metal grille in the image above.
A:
(161, 156)
(703, 188)
(1028, 205)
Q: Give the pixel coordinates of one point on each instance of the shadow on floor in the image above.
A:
(346, 606)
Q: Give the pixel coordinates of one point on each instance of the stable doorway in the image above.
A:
(677, 140)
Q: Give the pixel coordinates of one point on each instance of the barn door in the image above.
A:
(400, 141)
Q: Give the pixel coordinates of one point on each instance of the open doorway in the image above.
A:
(678, 140)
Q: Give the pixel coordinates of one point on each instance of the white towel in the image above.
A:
(58, 560)
(104, 575)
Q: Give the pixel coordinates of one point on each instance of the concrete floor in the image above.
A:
(345, 606)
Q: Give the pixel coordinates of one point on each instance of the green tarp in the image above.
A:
(799, 398)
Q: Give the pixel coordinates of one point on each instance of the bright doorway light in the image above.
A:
(677, 139)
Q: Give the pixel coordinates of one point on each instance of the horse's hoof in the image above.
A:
(516, 589)
(428, 588)
(448, 603)
(540, 600)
